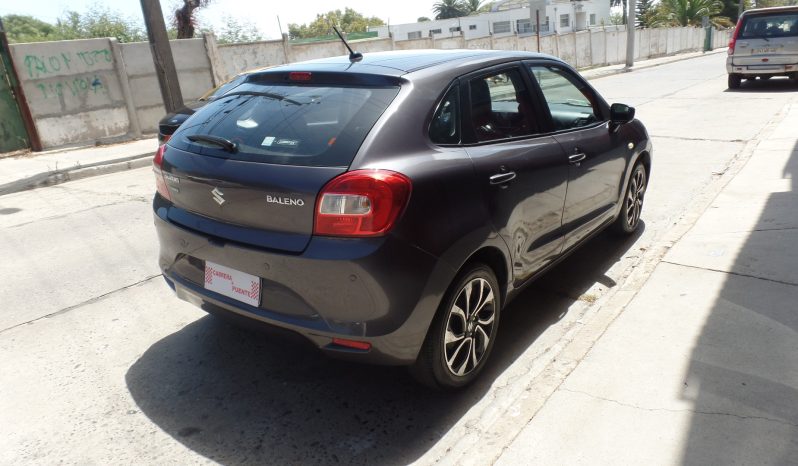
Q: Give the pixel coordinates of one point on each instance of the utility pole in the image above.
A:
(740, 8)
(630, 34)
(162, 55)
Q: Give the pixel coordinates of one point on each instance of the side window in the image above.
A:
(500, 107)
(445, 126)
(571, 103)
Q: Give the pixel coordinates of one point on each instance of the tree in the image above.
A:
(348, 21)
(446, 9)
(646, 13)
(422, 19)
(98, 21)
(185, 21)
(234, 31)
(614, 3)
(688, 12)
(25, 28)
(472, 6)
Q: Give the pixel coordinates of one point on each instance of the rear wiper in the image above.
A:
(269, 95)
(225, 144)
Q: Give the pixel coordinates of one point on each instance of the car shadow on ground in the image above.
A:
(772, 85)
(235, 395)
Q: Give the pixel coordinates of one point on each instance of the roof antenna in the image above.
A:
(354, 57)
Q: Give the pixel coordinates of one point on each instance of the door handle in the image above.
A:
(577, 158)
(502, 178)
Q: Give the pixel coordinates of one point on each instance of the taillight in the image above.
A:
(733, 40)
(361, 203)
(160, 182)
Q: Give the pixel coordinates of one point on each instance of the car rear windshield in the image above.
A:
(286, 124)
(770, 25)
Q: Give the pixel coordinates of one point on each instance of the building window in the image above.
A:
(414, 35)
(565, 21)
(434, 31)
(524, 26)
(500, 27)
(472, 27)
(454, 29)
(545, 26)
(592, 19)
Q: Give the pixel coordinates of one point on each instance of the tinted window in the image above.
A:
(770, 25)
(500, 106)
(223, 88)
(445, 126)
(570, 101)
(288, 124)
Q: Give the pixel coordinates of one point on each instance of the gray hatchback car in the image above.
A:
(764, 45)
(388, 209)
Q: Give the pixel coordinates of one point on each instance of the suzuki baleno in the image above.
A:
(388, 209)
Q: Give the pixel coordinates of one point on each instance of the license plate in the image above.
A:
(759, 51)
(232, 283)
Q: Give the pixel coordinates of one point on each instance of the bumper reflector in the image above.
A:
(359, 345)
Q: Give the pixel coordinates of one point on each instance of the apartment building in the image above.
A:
(508, 18)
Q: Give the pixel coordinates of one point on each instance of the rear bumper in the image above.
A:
(380, 290)
(763, 69)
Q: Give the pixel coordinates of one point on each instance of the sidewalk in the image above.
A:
(713, 375)
(35, 169)
(32, 170)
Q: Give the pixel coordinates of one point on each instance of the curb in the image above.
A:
(78, 172)
(663, 61)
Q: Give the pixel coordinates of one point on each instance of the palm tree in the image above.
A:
(446, 9)
(687, 12)
(471, 6)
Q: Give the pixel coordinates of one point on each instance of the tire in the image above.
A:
(469, 318)
(734, 81)
(628, 220)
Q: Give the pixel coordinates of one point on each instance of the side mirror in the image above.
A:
(621, 113)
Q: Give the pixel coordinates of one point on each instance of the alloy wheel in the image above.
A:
(469, 327)
(634, 198)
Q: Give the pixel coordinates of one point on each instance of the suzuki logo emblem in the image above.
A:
(217, 196)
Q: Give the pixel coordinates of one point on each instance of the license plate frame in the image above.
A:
(764, 50)
(235, 284)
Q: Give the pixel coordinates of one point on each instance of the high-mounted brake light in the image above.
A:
(299, 76)
(733, 40)
(361, 203)
(160, 182)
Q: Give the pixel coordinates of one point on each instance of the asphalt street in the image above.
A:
(100, 363)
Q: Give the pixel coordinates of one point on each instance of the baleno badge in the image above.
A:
(284, 200)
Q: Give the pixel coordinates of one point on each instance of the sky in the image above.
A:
(261, 13)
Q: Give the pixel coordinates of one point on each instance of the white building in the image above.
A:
(508, 18)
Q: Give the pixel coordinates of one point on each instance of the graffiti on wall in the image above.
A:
(42, 66)
(75, 87)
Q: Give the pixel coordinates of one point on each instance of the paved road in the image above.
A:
(99, 363)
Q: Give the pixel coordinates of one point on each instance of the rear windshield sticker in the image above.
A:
(287, 142)
(267, 141)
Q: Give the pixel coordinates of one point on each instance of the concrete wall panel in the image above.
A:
(583, 51)
(598, 48)
(69, 86)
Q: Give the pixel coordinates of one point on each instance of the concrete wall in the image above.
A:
(97, 90)
(193, 73)
(73, 90)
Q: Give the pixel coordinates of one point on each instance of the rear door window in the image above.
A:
(770, 25)
(501, 107)
(287, 124)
